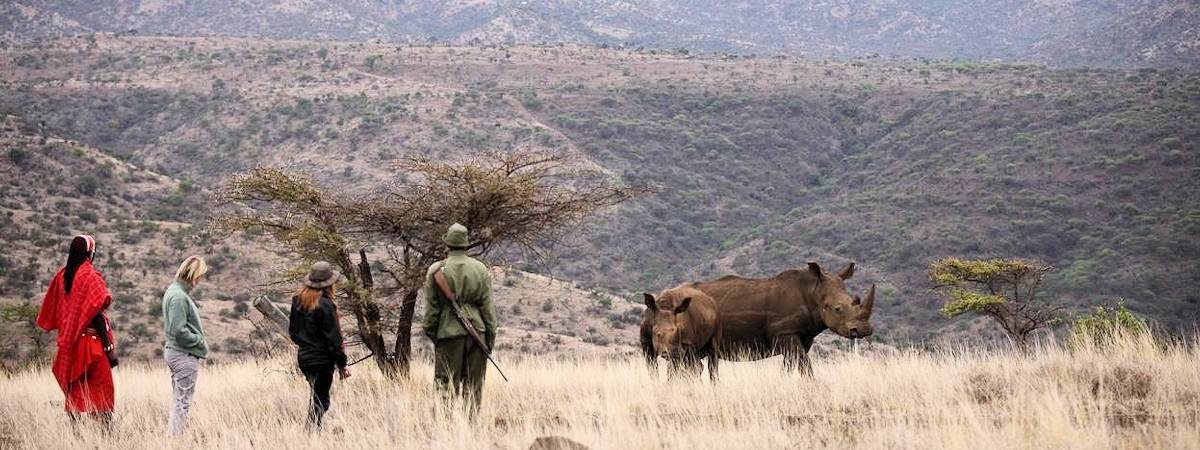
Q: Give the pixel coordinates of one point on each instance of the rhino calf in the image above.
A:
(683, 328)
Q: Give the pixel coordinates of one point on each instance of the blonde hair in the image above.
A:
(191, 270)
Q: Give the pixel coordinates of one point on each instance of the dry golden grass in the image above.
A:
(1133, 395)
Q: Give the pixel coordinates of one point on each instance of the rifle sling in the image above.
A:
(439, 278)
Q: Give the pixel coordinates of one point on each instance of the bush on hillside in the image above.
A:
(1106, 325)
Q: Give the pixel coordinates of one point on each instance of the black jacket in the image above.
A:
(318, 334)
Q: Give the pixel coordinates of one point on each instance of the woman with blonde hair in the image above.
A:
(186, 345)
(314, 327)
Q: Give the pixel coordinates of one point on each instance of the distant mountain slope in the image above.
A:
(759, 163)
(1057, 32)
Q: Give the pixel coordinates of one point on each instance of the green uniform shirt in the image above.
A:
(472, 284)
(182, 319)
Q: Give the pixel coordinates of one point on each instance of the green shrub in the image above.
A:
(88, 185)
(530, 100)
(1106, 325)
(25, 312)
(234, 345)
(19, 157)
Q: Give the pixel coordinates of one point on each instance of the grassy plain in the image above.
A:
(1136, 394)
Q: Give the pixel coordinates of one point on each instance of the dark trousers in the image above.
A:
(320, 379)
(460, 366)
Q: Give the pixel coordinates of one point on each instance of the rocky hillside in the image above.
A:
(759, 163)
(54, 188)
(1056, 32)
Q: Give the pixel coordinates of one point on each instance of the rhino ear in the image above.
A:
(815, 270)
(683, 305)
(649, 300)
(846, 273)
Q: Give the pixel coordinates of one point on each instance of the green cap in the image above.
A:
(456, 236)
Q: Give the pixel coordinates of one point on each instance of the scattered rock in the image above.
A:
(556, 443)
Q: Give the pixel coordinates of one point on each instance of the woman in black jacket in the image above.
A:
(314, 327)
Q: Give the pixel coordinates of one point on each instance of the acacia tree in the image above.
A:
(311, 222)
(523, 201)
(520, 200)
(1106, 325)
(1005, 290)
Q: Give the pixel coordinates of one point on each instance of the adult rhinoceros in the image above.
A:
(764, 317)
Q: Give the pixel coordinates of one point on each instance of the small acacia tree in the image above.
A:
(313, 223)
(1005, 290)
(522, 200)
(1106, 325)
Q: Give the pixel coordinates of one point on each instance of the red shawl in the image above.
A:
(70, 314)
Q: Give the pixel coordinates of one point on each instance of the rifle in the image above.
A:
(439, 279)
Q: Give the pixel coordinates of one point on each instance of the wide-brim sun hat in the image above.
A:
(456, 236)
(322, 275)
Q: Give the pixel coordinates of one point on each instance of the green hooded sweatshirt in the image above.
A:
(182, 319)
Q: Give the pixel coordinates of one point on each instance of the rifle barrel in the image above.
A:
(439, 278)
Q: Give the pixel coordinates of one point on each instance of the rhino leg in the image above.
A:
(805, 362)
(647, 341)
(712, 362)
(714, 353)
(795, 353)
(651, 357)
(695, 368)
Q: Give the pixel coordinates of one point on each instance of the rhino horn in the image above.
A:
(649, 300)
(870, 300)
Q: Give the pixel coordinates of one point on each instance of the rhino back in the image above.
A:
(753, 312)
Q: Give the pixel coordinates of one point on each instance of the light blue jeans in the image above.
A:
(185, 369)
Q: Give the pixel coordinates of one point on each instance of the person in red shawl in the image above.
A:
(75, 305)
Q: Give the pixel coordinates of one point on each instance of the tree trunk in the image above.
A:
(404, 331)
(1022, 342)
(368, 315)
(274, 314)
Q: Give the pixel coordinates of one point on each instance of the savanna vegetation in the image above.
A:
(757, 163)
(1128, 393)
(1027, 198)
